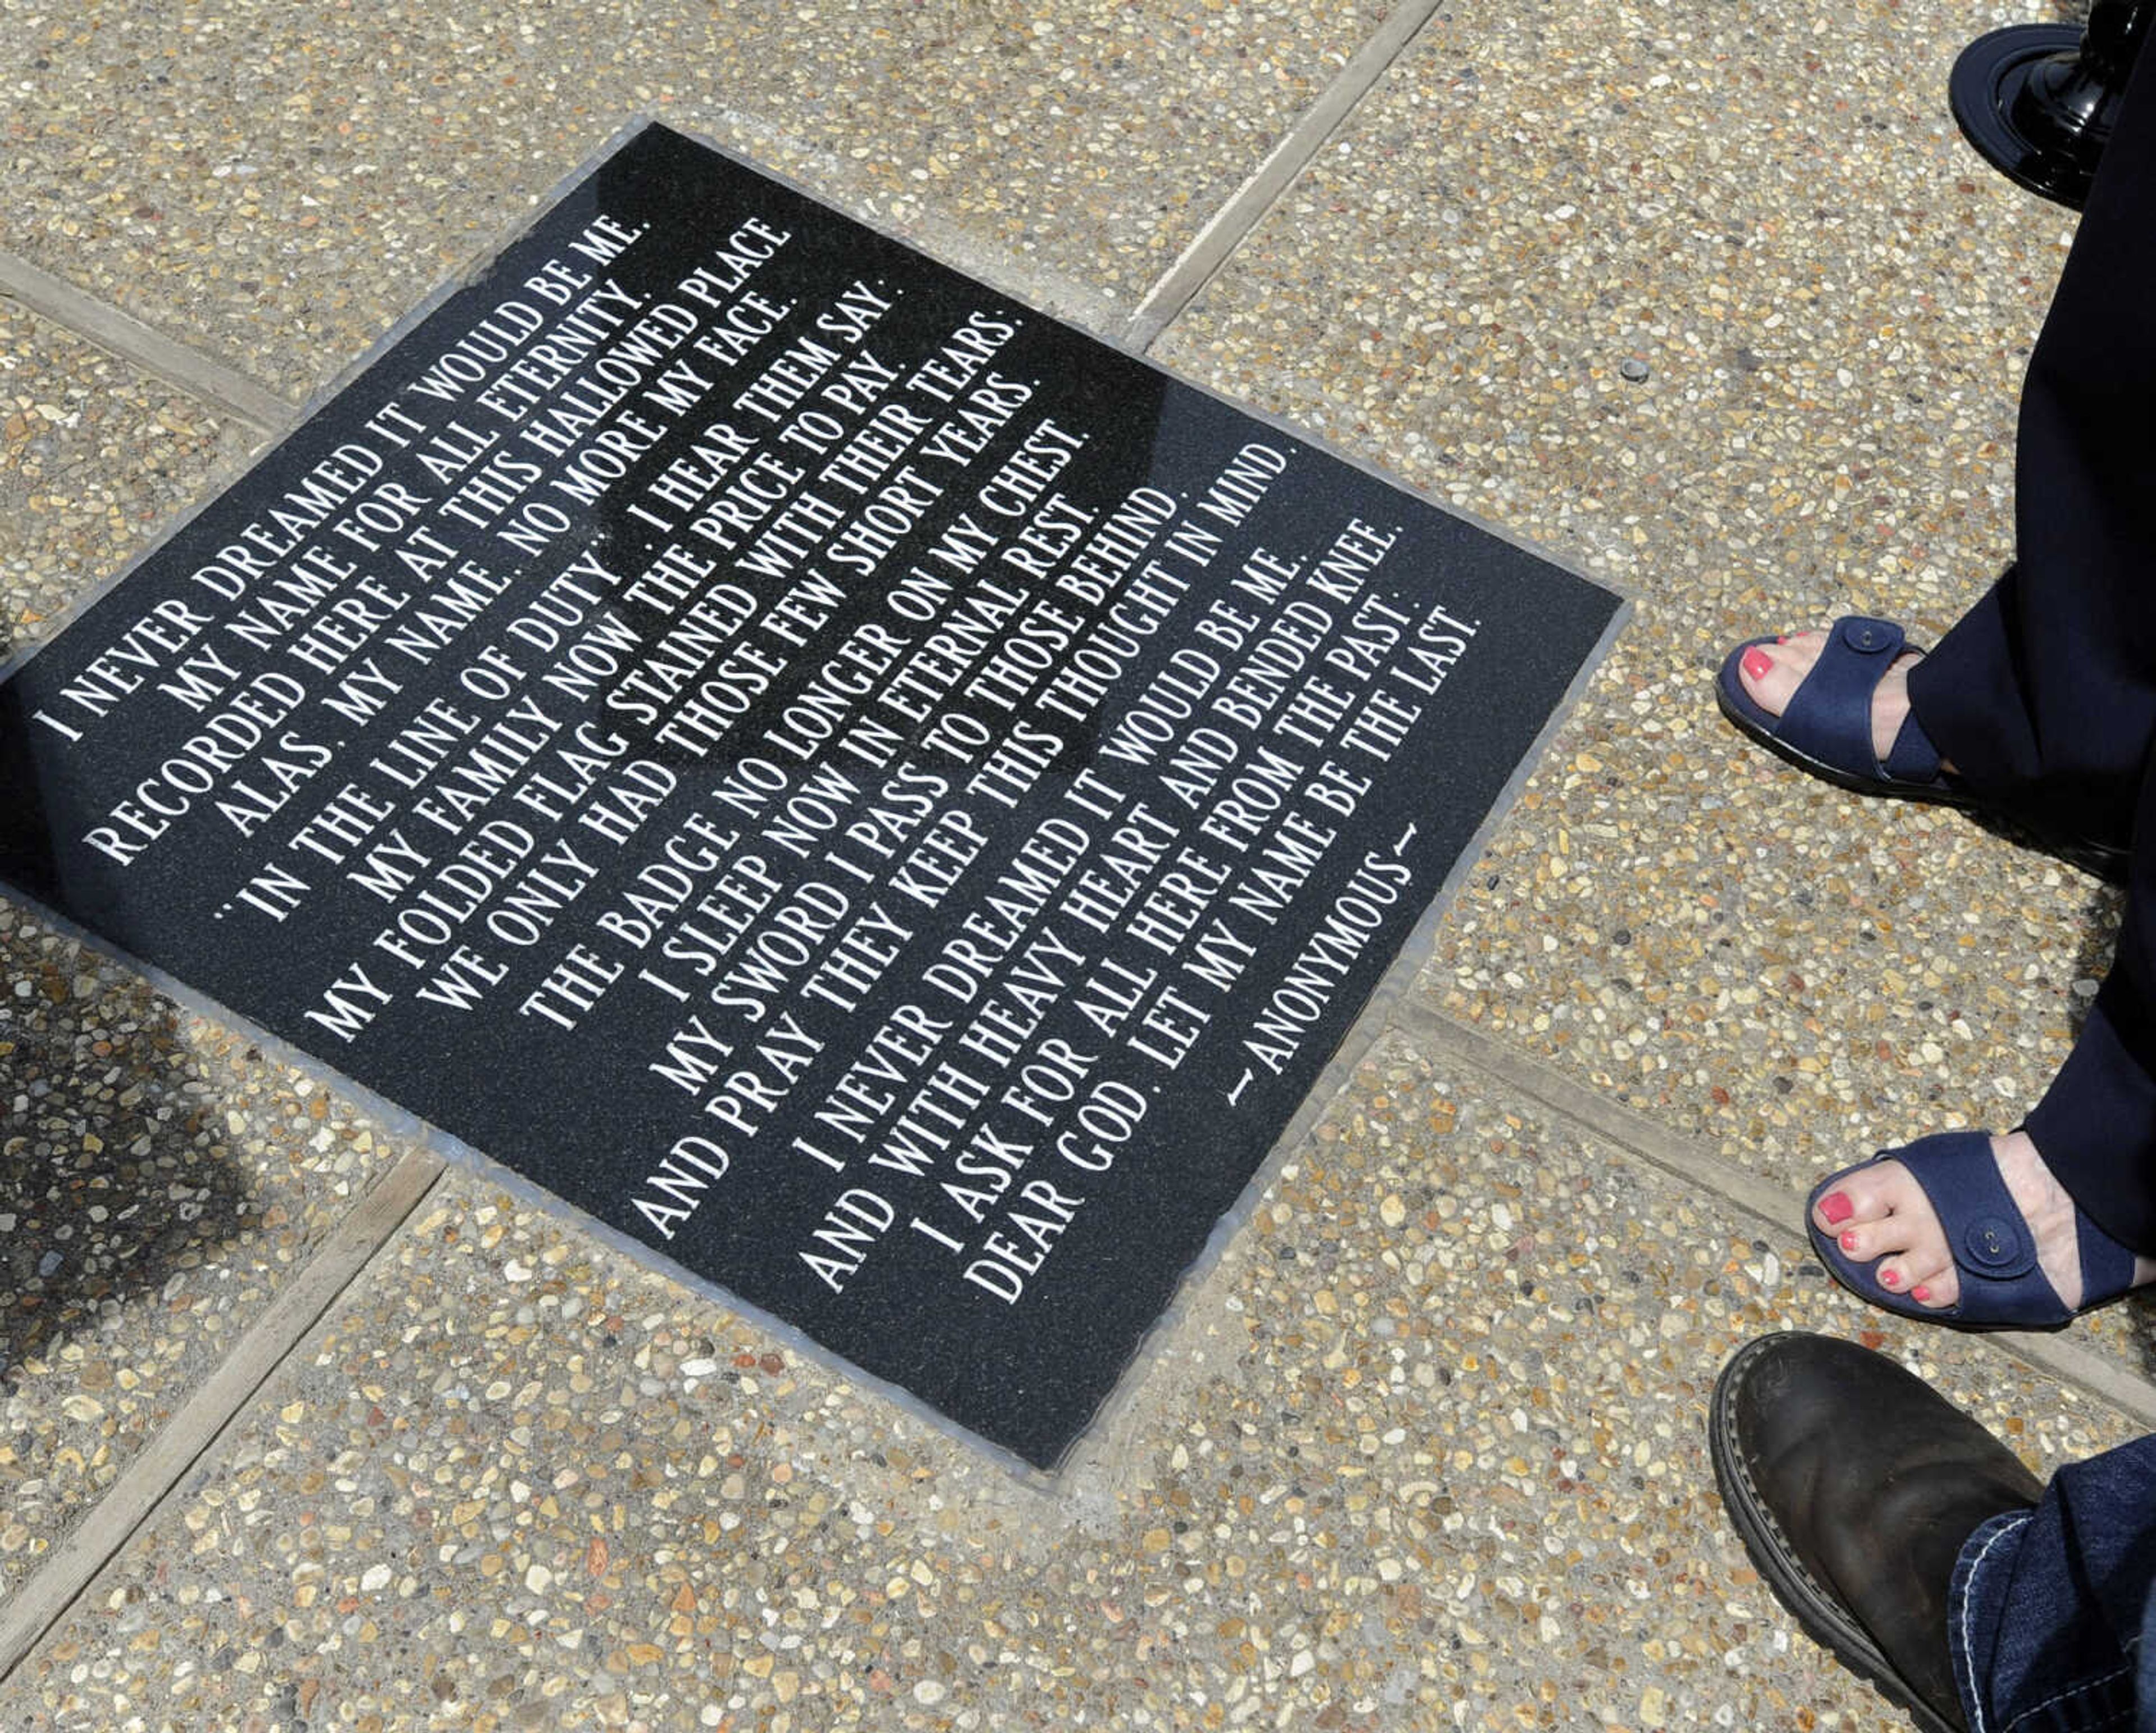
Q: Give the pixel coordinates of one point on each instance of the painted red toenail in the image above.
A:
(1849, 1241)
(1891, 1278)
(1920, 1294)
(1758, 663)
(1837, 1208)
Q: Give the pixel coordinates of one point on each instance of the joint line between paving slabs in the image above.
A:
(1704, 1173)
(1247, 206)
(127, 337)
(154, 1477)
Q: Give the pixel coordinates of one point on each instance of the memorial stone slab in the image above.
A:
(880, 798)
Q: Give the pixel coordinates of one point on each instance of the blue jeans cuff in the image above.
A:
(2011, 1677)
(1976, 1601)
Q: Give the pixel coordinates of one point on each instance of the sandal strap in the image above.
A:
(1988, 1236)
(1992, 1250)
(1985, 1233)
(1829, 717)
(1913, 758)
(2106, 1266)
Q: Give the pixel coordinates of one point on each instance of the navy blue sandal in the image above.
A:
(1827, 730)
(2002, 1287)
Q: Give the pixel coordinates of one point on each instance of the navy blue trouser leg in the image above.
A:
(2096, 1126)
(2044, 696)
(2050, 1606)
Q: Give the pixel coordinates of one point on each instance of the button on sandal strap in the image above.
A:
(1829, 716)
(1984, 1230)
(1993, 1250)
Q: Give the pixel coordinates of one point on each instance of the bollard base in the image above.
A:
(2029, 141)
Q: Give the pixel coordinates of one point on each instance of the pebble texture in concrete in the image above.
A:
(158, 1180)
(1706, 298)
(1430, 1454)
(94, 460)
(281, 184)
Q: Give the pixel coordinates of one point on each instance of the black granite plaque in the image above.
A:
(874, 794)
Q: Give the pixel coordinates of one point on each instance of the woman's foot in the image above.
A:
(1771, 673)
(1836, 703)
(1880, 1211)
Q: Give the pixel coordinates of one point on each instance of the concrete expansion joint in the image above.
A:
(1216, 243)
(130, 340)
(195, 1434)
(1708, 1175)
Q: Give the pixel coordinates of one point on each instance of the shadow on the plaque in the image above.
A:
(113, 1175)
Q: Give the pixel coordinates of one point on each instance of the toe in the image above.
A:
(1939, 1290)
(1877, 1215)
(1925, 1275)
(1867, 1242)
(1863, 1198)
(1771, 673)
(1922, 1278)
(1835, 1210)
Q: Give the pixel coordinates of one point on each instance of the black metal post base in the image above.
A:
(2038, 100)
(1989, 81)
